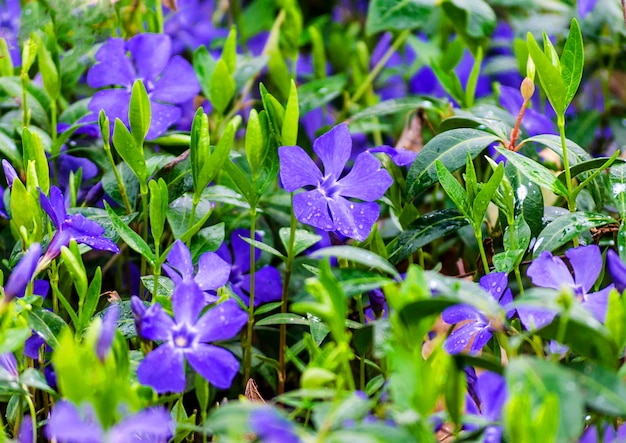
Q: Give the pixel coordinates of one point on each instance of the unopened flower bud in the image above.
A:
(527, 88)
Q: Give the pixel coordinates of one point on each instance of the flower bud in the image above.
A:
(527, 88)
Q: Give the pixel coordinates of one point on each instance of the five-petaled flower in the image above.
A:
(325, 203)
(70, 226)
(187, 336)
(478, 328)
(169, 82)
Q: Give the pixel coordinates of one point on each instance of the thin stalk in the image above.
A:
(144, 204)
(379, 66)
(283, 307)
(33, 413)
(359, 306)
(118, 178)
(481, 248)
(248, 340)
(571, 197)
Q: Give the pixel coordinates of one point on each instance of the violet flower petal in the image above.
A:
(460, 338)
(533, 317)
(598, 302)
(586, 262)
(617, 270)
(297, 169)
(9, 172)
(23, 273)
(492, 391)
(163, 116)
(270, 427)
(334, 148)
(268, 286)
(8, 363)
(311, 207)
(241, 249)
(179, 258)
(153, 424)
(177, 84)
(480, 340)
(215, 364)
(187, 302)
(222, 322)
(213, 272)
(114, 103)
(153, 323)
(107, 334)
(66, 425)
(163, 369)
(366, 180)
(151, 53)
(353, 220)
(113, 67)
(458, 313)
(549, 272)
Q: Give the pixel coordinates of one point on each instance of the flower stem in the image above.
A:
(571, 197)
(481, 248)
(118, 177)
(248, 339)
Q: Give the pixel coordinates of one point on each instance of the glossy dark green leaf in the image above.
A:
(549, 75)
(130, 237)
(483, 198)
(303, 239)
(207, 239)
(528, 198)
(131, 153)
(47, 324)
(393, 106)
(425, 230)
(360, 256)
(572, 61)
(617, 181)
(566, 227)
(179, 213)
(454, 189)
(473, 19)
(283, 319)
(586, 166)
(394, 15)
(451, 149)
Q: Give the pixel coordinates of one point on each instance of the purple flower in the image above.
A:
(268, 282)
(74, 226)
(10, 11)
(271, 427)
(586, 261)
(212, 273)
(67, 423)
(168, 81)
(191, 25)
(325, 204)
(23, 273)
(9, 172)
(616, 269)
(400, 156)
(187, 337)
(107, 333)
(8, 366)
(478, 328)
(585, 7)
(491, 392)
(609, 433)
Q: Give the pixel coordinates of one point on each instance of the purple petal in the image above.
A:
(215, 364)
(537, 123)
(351, 219)
(492, 391)
(495, 283)
(23, 273)
(367, 180)
(268, 285)
(154, 424)
(586, 263)
(271, 427)
(585, 7)
(163, 116)
(89, 232)
(511, 99)
(187, 302)
(598, 302)
(114, 102)
(9, 172)
(459, 313)
(533, 317)
(153, 323)
(222, 322)
(25, 434)
(113, 67)
(549, 272)
(311, 207)
(66, 425)
(163, 369)
(107, 334)
(241, 249)
(178, 82)
(297, 169)
(9, 363)
(213, 272)
(460, 338)
(150, 53)
(480, 340)
(617, 269)
(179, 258)
(400, 156)
(334, 148)
(54, 207)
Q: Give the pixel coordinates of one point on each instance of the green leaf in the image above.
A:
(303, 239)
(425, 230)
(550, 77)
(6, 65)
(485, 195)
(540, 379)
(394, 15)
(139, 112)
(393, 106)
(536, 172)
(204, 65)
(528, 198)
(199, 148)
(617, 181)
(130, 237)
(129, 181)
(289, 134)
(572, 61)
(602, 389)
(566, 227)
(222, 87)
(263, 247)
(360, 256)
(179, 213)
(47, 324)
(75, 267)
(283, 319)
(316, 93)
(521, 235)
(229, 52)
(454, 189)
(318, 52)
(164, 286)
(241, 181)
(207, 239)
(451, 149)
(587, 166)
(158, 207)
(33, 150)
(254, 142)
(8, 148)
(218, 156)
(49, 71)
(473, 19)
(130, 152)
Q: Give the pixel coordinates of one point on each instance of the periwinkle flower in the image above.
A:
(69, 424)
(478, 328)
(107, 333)
(8, 366)
(187, 337)
(169, 82)
(585, 7)
(10, 11)
(617, 270)
(325, 203)
(191, 25)
(491, 392)
(268, 283)
(23, 273)
(9, 172)
(212, 273)
(271, 427)
(586, 261)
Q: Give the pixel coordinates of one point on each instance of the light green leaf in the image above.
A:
(360, 256)
(139, 112)
(130, 237)
(394, 15)
(454, 189)
(572, 61)
(550, 77)
(303, 239)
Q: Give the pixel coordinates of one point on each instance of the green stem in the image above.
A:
(483, 256)
(571, 197)
(379, 66)
(33, 413)
(144, 204)
(518, 278)
(359, 306)
(248, 340)
(284, 296)
(118, 177)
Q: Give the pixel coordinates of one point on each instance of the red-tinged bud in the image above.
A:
(527, 89)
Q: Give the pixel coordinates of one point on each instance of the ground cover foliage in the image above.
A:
(281, 221)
